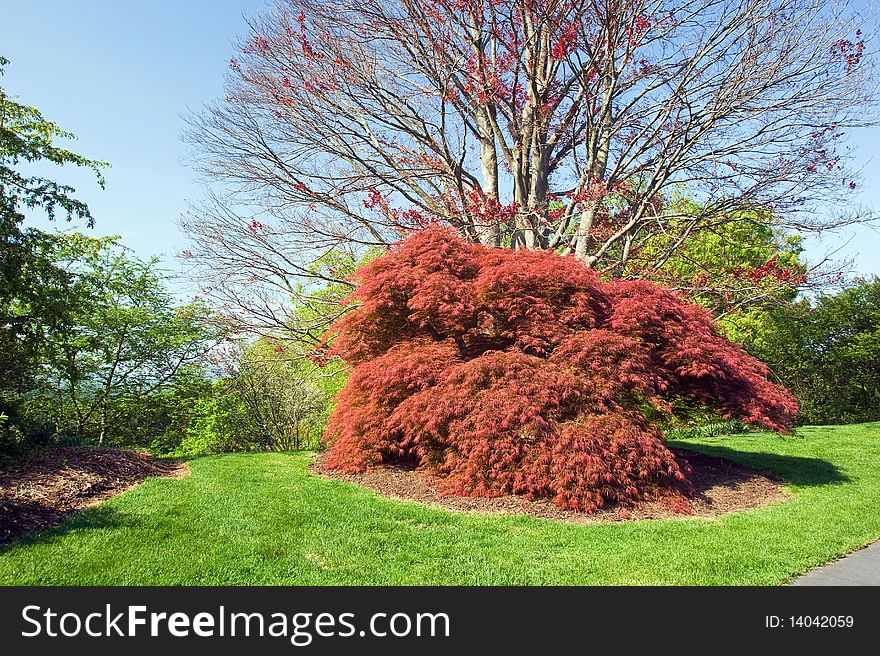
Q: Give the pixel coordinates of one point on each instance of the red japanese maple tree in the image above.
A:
(523, 372)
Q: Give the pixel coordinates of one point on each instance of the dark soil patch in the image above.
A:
(720, 487)
(38, 491)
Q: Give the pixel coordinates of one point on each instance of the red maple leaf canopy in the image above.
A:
(523, 372)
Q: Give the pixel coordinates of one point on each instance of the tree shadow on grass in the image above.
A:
(797, 470)
(101, 517)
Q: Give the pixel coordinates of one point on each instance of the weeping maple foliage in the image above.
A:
(522, 372)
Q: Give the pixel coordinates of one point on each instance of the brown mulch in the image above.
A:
(38, 491)
(720, 487)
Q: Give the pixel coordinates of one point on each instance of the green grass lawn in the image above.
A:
(265, 519)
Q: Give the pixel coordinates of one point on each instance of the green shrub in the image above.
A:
(211, 430)
(11, 438)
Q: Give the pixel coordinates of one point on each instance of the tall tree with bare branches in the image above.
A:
(570, 125)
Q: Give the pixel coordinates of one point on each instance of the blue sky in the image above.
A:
(122, 75)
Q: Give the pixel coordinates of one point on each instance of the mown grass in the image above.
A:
(265, 519)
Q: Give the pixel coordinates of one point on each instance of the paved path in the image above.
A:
(859, 568)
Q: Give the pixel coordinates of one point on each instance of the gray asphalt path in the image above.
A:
(858, 568)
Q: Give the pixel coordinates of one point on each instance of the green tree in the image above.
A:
(26, 136)
(271, 401)
(278, 390)
(739, 263)
(27, 278)
(160, 421)
(827, 352)
(119, 336)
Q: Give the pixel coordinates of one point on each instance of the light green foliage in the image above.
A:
(211, 428)
(265, 519)
(315, 308)
(720, 266)
(708, 429)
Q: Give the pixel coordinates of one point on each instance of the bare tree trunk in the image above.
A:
(598, 154)
(489, 232)
(103, 432)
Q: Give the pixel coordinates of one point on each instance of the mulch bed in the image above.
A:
(40, 490)
(720, 486)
